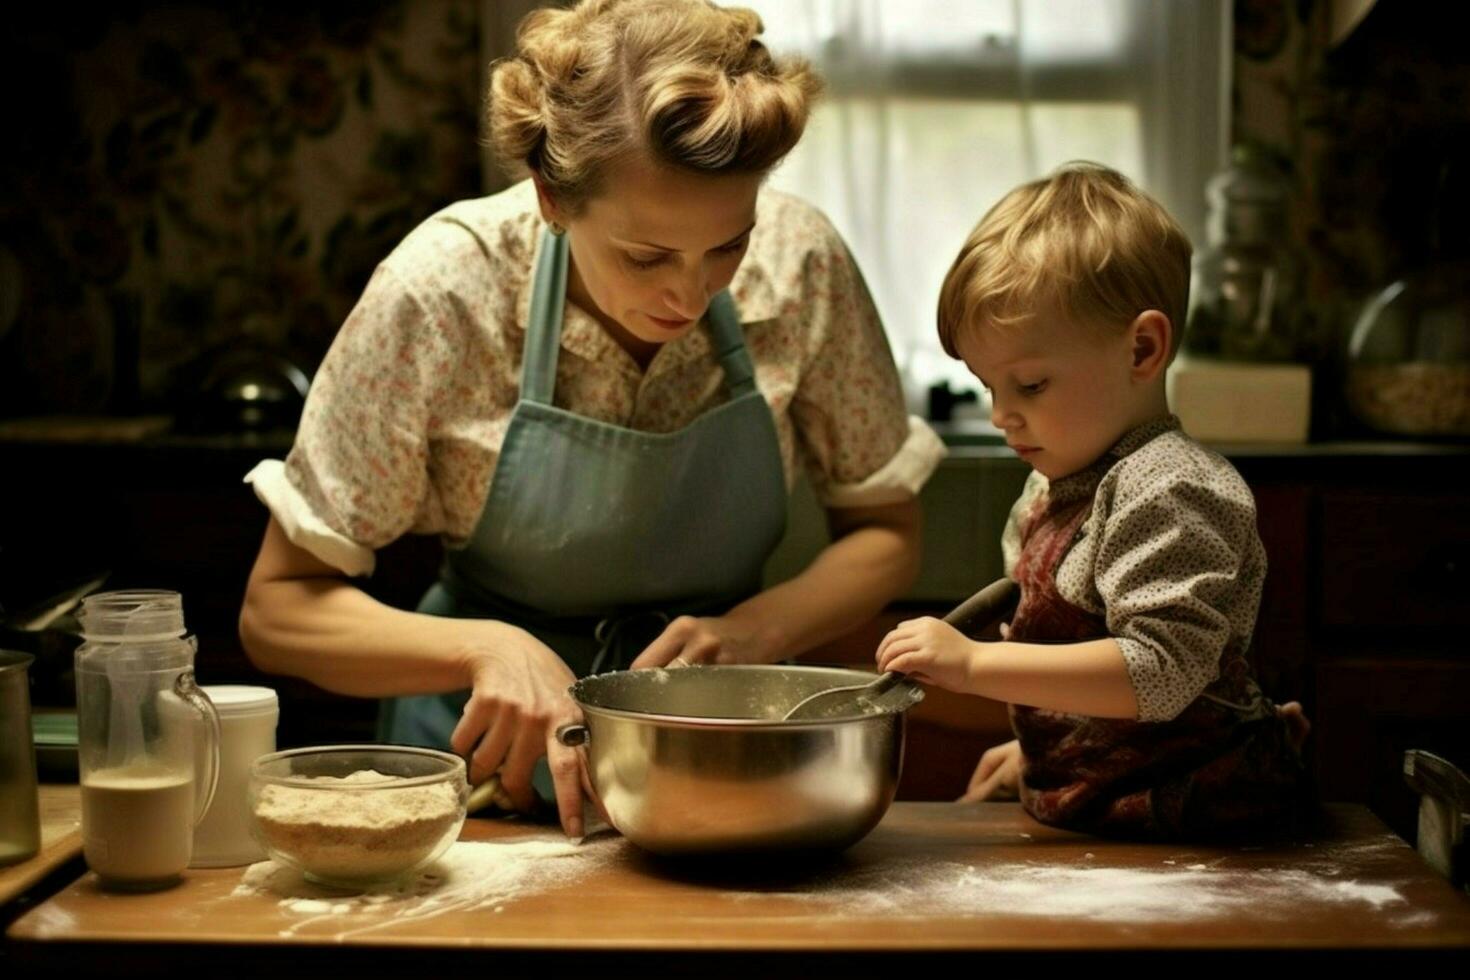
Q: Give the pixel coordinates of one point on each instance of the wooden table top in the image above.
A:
(61, 840)
(933, 877)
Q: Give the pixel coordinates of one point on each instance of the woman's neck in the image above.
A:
(642, 351)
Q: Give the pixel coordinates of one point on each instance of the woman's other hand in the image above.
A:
(691, 640)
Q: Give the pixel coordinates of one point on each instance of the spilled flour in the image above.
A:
(1092, 891)
(469, 875)
(489, 876)
(1101, 894)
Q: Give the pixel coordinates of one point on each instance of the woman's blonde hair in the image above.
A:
(1084, 238)
(683, 80)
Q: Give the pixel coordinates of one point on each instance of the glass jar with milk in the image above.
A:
(140, 720)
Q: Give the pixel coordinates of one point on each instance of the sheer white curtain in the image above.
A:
(935, 109)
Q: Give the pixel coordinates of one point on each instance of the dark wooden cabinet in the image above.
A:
(174, 513)
(1366, 610)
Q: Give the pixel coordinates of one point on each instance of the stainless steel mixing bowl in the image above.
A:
(696, 761)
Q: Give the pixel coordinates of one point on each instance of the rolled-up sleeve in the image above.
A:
(357, 476)
(1179, 570)
(860, 445)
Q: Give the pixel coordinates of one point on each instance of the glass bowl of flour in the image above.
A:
(357, 815)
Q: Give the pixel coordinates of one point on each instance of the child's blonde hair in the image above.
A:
(683, 80)
(1085, 238)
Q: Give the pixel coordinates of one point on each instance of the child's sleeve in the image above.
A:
(1179, 569)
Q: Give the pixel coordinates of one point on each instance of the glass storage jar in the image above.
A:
(1243, 292)
(1408, 358)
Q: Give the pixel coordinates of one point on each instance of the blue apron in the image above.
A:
(594, 536)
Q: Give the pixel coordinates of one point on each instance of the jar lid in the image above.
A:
(235, 700)
(132, 616)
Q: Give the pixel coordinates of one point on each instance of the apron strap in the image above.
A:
(548, 306)
(543, 332)
(729, 342)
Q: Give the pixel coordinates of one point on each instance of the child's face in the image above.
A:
(1063, 393)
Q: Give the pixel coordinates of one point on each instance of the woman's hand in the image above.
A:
(930, 651)
(518, 699)
(692, 640)
(303, 617)
(998, 776)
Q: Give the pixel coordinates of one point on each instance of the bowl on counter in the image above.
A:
(697, 761)
(357, 815)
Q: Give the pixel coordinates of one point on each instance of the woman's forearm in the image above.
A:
(873, 559)
(339, 638)
(303, 619)
(1089, 678)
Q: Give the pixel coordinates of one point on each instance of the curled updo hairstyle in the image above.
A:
(685, 81)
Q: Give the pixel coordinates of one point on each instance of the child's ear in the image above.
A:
(1151, 335)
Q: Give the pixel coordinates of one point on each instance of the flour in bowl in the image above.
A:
(376, 832)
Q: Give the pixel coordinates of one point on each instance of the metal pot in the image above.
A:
(693, 761)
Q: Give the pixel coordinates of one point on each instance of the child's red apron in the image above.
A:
(1212, 771)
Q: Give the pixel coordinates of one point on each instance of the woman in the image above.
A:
(597, 387)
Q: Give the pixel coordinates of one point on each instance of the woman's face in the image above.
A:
(654, 246)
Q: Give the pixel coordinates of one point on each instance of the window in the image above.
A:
(935, 109)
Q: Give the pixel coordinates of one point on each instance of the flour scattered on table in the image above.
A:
(1093, 891)
(470, 875)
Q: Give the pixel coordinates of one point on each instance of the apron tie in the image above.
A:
(610, 629)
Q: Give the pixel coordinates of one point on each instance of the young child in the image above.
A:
(1136, 550)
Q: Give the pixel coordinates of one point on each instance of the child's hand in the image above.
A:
(928, 650)
(998, 776)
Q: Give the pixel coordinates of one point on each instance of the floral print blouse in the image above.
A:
(403, 425)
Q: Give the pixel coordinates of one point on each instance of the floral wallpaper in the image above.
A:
(184, 178)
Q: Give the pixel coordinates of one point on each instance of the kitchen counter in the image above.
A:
(61, 840)
(943, 881)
